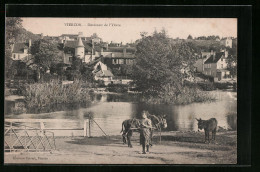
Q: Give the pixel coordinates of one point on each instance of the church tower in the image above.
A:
(80, 49)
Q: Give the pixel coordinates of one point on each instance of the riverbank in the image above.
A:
(174, 148)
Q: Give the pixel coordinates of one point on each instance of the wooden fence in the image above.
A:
(86, 124)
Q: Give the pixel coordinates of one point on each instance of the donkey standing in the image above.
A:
(208, 126)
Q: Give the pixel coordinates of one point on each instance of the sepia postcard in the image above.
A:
(120, 90)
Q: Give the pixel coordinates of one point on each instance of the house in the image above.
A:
(216, 65)
(53, 39)
(227, 42)
(199, 64)
(68, 37)
(101, 72)
(115, 44)
(85, 50)
(114, 57)
(73, 37)
(20, 51)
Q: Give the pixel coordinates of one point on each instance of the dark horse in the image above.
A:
(208, 126)
(130, 125)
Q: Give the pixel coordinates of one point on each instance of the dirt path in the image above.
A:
(175, 148)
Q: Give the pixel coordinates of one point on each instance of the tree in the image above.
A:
(127, 70)
(232, 65)
(189, 37)
(87, 74)
(12, 31)
(159, 63)
(44, 54)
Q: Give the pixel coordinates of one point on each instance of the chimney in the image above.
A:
(212, 52)
(101, 51)
(124, 52)
(30, 43)
(226, 53)
(106, 46)
(41, 35)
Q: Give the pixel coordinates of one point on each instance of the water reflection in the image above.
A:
(109, 110)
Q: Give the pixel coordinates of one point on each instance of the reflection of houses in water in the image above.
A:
(185, 119)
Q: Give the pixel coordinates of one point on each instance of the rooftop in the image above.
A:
(119, 55)
(215, 59)
(19, 47)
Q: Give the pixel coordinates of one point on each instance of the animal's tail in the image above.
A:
(122, 127)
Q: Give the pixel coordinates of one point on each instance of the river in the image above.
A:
(109, 110)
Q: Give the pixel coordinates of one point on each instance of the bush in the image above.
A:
(188, 95)
(223, 86)
(47, 77)
(206, 77)
(206, 86)
(118, 88)
(72, 75)
(100, 83)
(45, 94)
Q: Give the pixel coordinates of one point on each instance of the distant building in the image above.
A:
(199, 64)
(113, 58)
(227, 42)
(85, 50)
(101, 72)
(20, 51)
(115, 44)
(216, 65)
(72, 37)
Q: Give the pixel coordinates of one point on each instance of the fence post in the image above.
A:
(85, 128)
(89, 127)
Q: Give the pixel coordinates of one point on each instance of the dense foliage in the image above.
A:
(159, 64)
(44, 54)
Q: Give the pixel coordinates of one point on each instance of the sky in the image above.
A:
(128, 29)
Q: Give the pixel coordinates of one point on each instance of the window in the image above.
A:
(70, 59)
(18, 56)
(14, 56)
(114, 61)
(221, 66)
(121, 61)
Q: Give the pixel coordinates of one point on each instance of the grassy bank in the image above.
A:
(40, 95)
(188, 95)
